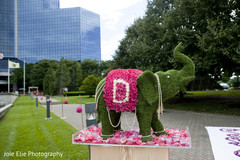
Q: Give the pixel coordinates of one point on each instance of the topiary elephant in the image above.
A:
(151, 90)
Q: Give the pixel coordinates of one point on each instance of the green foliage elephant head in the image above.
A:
(171, 81)
(151, 89)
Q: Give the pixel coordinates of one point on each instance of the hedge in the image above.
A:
(75, 93)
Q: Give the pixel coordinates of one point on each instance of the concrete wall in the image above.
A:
(7, 99)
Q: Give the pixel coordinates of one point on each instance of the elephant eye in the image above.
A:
(168, 76)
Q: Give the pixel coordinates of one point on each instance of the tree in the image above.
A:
(63, 78)
(49, 82)
(17, 75)
(90, 67)
(75, 72)
(209, 31)
(106, 66)
(39, 70)
(89, 85)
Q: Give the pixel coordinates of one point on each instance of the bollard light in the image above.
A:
(30, 95)
(48, 108)
(91, 114)
(36, 100)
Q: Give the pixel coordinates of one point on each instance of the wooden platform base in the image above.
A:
(128, 153)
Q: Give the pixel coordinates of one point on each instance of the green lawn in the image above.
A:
(223, 102)
(75, 99)
(215, 93)
(25, 133)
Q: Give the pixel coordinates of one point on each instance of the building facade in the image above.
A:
(33, 30)
(7, 27)
(39, 29)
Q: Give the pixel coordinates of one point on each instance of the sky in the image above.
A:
(115, 17)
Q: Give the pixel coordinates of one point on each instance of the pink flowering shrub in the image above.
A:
(121, 89)
(174, 138)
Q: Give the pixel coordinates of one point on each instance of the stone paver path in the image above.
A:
(196, 122)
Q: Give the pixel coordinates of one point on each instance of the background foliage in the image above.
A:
(50, 75)
(208, 29)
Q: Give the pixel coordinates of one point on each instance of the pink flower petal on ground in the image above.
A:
(123, 140)
(132, 137)
(176, 144)
(150, 143)
(138, 142)
(176, 139)
(168, 140)
(161, 143)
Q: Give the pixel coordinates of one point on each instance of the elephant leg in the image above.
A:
(157, 125)
(107, 128)
(144, 120)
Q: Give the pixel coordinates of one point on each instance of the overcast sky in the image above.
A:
(115, 16)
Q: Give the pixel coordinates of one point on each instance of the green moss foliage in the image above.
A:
(171, 82)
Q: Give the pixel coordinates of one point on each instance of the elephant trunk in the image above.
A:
(188, 70)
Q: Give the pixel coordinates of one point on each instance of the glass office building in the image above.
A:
(39, 29)
(7, 27)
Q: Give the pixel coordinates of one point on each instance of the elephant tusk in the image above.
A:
(98, 88)
(96, 100)
(160, 102)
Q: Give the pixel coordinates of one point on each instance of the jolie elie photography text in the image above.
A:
(32, 154)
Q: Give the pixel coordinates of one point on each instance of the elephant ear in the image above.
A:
(148, 87)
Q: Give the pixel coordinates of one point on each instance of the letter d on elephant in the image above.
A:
(126, 84)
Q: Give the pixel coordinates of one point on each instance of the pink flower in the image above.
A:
(66, 102)
(123, 140)
(79, 109)
(121, 89)
(176, 138)
(150, 143)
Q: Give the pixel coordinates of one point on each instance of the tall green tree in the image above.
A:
(49, 82)
(90, 67)
(106, 66)
(75, 72)
(39, 70)
(63, 78)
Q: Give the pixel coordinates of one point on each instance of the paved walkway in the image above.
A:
(196, 122)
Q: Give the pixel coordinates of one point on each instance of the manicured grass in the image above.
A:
(24, 129)
(75, 99)
(223, 102)
(204, 107)
(215, 93)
